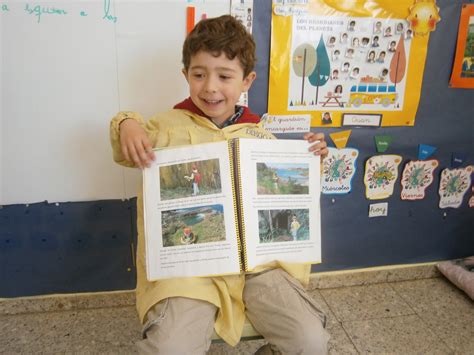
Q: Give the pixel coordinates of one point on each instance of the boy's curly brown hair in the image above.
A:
(219, 35)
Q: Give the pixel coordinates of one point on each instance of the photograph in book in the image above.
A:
(282, 179)
(283, 225)
(195, 225)
(190, 179)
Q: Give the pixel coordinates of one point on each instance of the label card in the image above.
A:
(425, 151)
(382, 143)
(378, 209)
(340, 139)
(361, 120)
(339, 168)
(453, 185)
(416, 178)
(381, 172)
(287, 123)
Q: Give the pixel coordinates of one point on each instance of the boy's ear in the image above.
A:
(185, 73)
(248, 80)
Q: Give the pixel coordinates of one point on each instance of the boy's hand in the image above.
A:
(318, 148)
(135, 145)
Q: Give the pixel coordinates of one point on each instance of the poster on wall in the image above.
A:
(335, 59)
(463, 69)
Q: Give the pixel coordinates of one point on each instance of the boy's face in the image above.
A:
(215, 84)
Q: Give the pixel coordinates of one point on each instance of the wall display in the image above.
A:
(416, 177)
(453, 185)
(381, 173)
(328, 60)
(341, 138)
(463, 68)
(339, 168)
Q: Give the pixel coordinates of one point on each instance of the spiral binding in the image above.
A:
(234, 152)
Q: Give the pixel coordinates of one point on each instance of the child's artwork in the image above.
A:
(327, 61)
(339, 168)
(463, 68)
(453, 186)
(381, 172)
(416, 178)
(471, 199)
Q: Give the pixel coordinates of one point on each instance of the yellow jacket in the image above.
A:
(182, 127)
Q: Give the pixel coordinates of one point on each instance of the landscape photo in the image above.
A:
(282, 179)
(283, 225)
(195, 225)
(195, 178)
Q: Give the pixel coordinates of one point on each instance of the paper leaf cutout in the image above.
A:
(416, 178)
(321, 72)
(381, 173)
(453, 185)
(339, 168)
(398, 64)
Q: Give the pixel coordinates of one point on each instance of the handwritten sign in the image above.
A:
(378, 210)
(287, 123)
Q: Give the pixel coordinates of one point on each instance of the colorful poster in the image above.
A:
(416, 177)
(328, 59)
(463, 68)
(339, 169)
(381, 173)
(453, 186)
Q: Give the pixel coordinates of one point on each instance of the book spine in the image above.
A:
(238, 208)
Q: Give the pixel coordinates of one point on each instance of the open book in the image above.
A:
(226, 207)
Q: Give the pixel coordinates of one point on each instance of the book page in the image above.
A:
(190, 220)
(280, 201)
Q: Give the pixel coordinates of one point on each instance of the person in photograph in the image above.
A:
(351, 26)
(365, 41)
(331, 41)
(335, 74)
(188, 236)
(392, 47)
(375, 42)
(335, 55)
(338, 90)
(378, 27)
(381, 57)
(371, 57)
(345, 67)
(355, 42)
(355, 73)
(195, 177)
(409, 34)
(383, 75)
(399, 28)
(326, 118)
(294, 226)
(350, 53)
(344, 38)
(388, 32)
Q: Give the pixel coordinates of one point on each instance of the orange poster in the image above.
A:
(463, 68)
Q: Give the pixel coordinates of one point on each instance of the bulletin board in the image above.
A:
(346, 58)
(413, 231)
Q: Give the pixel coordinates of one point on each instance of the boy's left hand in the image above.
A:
(318, 148)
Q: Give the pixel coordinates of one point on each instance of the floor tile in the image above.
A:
(398, 335)
(330, 318)
(365, 302)
(339, 343)
(107, 330)
(248, 347)
(444, 308)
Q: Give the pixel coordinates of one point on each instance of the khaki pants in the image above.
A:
(277, 306)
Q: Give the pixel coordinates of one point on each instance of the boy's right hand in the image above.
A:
(135, 144)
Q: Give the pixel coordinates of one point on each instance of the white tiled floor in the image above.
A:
(427, 316)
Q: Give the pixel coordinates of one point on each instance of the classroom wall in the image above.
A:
(67, 222)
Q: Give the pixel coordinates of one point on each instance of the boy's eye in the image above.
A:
(198, 75)
(224, 77)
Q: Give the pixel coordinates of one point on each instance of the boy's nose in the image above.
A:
(211, 85)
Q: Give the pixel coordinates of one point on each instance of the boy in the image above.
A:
(180, 314)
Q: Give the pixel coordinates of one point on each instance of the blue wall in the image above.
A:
(87, 246)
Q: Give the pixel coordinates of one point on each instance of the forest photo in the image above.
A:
(282, 179)
(195, 225)
(190, 179)
(283, 225)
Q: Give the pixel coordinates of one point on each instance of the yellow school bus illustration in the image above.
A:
(372, 93)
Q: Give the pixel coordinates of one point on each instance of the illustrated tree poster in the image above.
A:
(330, 58)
